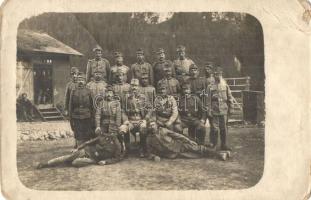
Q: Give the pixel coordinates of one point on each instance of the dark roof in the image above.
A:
(28, 40)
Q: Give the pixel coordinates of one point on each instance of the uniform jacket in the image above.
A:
(220, 98)
(69, 87)
(138, 69)
(136, 107)
(101, 65)
(109, 113)
(97, 87)
(113, 73)
(80, 103)
(159, 72)
(107, 148)
(191, 107)
(172, 85)
(149, 92)
(182, 67)
(166, 108)
(198, 85)
(121, 91)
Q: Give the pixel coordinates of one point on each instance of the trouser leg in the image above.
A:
(214, 130)
(200, 133)
(81, 162)
(223, 130)
(61, 160)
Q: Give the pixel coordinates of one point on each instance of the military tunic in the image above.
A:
(138, 69)
(182, 68)
(81, 112)
(69, 87)
(114, 71)
(169, 144)
(97, 88)
(158, 70)
(101, 65)
(149, 92)
(121, 91)
(198, 85)
(172, 86)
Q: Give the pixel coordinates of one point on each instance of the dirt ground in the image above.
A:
(242, 171)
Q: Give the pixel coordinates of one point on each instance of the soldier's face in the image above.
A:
(193, 72)
(120, 78)
(98, 54)
(162, 91)
(144, 81)
(140, 57)
(168, 71)
(208, 70)
(161, 56)
(109, 95)
(97, 76)
(119, 60)
(74, 76)
(186, 90)
(153, 126)
(134, 88)
(181, 54)
(217, 76)
(81, 82)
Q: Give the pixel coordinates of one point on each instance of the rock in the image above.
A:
(25, 132)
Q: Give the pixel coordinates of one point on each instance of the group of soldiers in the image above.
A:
(156, 103)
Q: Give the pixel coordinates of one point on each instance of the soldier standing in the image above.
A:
(71, 85)
(159, 66)
(219, 102)
(147, 89)
(136, 115)
(108, 117)
(166, 110)
(98, 64)
(81, 112)
(182, 64)
(162, 142)
(142, 67)
(118, 65)
(192, 115)
(172, 84)
(209, 66)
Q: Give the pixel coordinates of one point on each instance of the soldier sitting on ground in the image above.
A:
(105, 149)
(162, 142)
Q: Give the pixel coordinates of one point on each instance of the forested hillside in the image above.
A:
(220, 37)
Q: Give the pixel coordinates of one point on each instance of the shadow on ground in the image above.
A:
(242, 171)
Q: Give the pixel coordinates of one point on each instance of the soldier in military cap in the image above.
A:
(118, 65)
(220, 103)
(162, 142)
(172, 84)
(166, 110)
(147, 89)
(208, 68)
(74, 72)
(158, 66)
(98, 63)
(198, 84)
(105, 149)
(135, 116)
(182, 64)
(108, 116)
(81, 111)
(142, 67)
(120, 87)
(98, 85)
(192, 114)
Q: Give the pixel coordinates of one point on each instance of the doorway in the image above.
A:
(43, 84)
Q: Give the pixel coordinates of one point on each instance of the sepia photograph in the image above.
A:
(140, 101)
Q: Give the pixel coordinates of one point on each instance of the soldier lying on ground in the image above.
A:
(103, 150)
(162, 142)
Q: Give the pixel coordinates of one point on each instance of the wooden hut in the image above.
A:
(43, 70)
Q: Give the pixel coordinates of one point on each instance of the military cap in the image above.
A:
(180, 48)
(135, 81)
(81, 75)
(117, 54)
(121, 70)
(74, 70)
(97, 48)
(193, 66)
(209, 64)
(160, 50)
(218, 70)
(140, 51)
